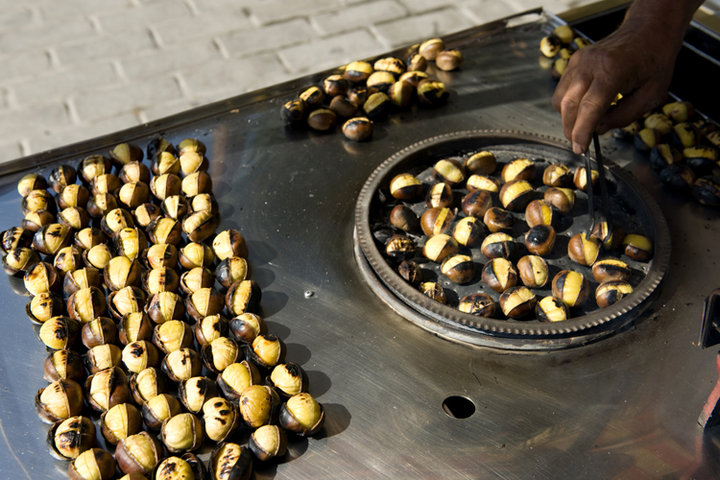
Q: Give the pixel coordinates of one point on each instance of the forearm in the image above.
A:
(665, 20)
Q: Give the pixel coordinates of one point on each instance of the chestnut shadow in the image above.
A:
(278, 329)
(262, 252)
(296, 448)
(272, 302)
(337, 420)
(297, 353)
(318, 383)
(262, 276)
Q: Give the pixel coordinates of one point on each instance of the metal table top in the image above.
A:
(624, 407)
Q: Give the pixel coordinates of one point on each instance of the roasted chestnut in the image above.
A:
(164, 163)
(517, 302)
(139, 453)
(89, 237)
(583, 249)
(158, 409)
(533, 271)
(440, 246)
(60, 400)
(134, 172)
(481, 163)
(98, 331)
(196, 255)
(210, 328)
(59, 333)
(611, 292)
(161, 255)
(450, 171)
(571, 287)
(482, 182)
(436, 220)
(540, 239)
(125, 301)
(302, 414)
(266, 350)
(195, 391)
(187, 466)
(16, 237)
(268, 442)
(234, 379)
(200, 225)
(406, 186)
(122, 272)
(98, 256)
(220, 353)
(288, 378)
(499, 274)
(229, 243)
(540, 212)
(469, 231)
(293, 112)
(165, 306)
(313, 97)
(76, 218)
(86, 304)
(458, 268)
(609, 236)
(134, 194)
(146, 384)
(518, 169)
(147, 212)
(414, 77)
(448, 60)
(557, 175)
(196, 183)
(432, 93)
(243, 296)
(69, 438)
(162, 186)
(37, 200)
(377, 106)
(706, 190)
(380, 81)
(434, 291)
(18, 260)
(678, 111)
(230, 461)
(258, 405)
(159, 144)
(498, 244)
(476, 203)
(357, 129)
(172, 335)
(220, 419)
(92, 464)
(638, 247)
(107, 388)
(197, 278)
(34, 221)
(430, 48)
(609, 269)
(551, 309)
(516, 194)
(63, 364)
(101, 357)
(193, 162)
(43, 307)
(51, 238)
(139, 355)
(480, 304)
(182, 432)
(166, 230)
(181, 364)
(116, 219)
(61, 177)
(161, 279)
(401, 94)
(438, 196)
(246, 326)
(580, 178)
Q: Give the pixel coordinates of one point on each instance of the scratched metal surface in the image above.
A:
(618, 408)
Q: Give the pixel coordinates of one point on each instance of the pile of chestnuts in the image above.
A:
(156, 349)
(556, 49)
(363, 92)
(486, 227)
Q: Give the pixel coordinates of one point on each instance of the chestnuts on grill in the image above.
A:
(98, 256)
(498, 245)
(120, 421)
(146, 384)
(70, 437)
(439, 247)
(436, 220)
(195, 391)
(139, 453)
(476, 203)
(107, 388)
(60, 400)
(172, 335)
(158, 409)
(146, 213)
(243, 296)
(458, 268)
(185, 467)
(182, 432)
(499, 274)
(139, 355)
(63, 364)
(571, 287)
(583, 249)
(638, 247)
(220, 353)
(609, 269)
(43, 307)
(161, 255)
(92, 464)
(611, 292)
(268, 442)
(449, 170)
(480, 304)
(516, 194)
(116, 219)
(551, 309)
(302, 414)
(540, 239)
(197, 278)
(518, 169)
(161, 279)
(59, 333)
(165, 306)
(246, 326)
(469, 231)
(533, 271)
(406, 186)
(129, 242)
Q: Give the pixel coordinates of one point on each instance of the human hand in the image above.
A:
(634, 61)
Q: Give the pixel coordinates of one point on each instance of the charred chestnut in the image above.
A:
(440, 246)
(122, 272)
(146, 213)
(158, 409)
(116, 219)
(436, 220)
(101, 357)
(533, 271)
(18, 260)
(499, 274)
(302, 415)
(479, 304)
(59, 333)
(611, 292)
(220, 419)
(220, 353)
(197, 278)
(539, 212)
(181, 364)
(51, 238)
(43, 307)
(139, 355)
(162, 186)
(161, 279)
(481, 163)
(551, 309)
(165, 163)
(229, 243)
(571, 287)
(561, 198)
(609, 269)
(41, 277)
(406, 186)
(434, 291)
(92, 464)
(182, 432)
(61, 177)
(638, 247)
(185, 467)
(517, 302)
(60, 400)
(583, 249)
(469, 231)
(540, 239)
(134, 172)
(476, 203)
(210, 328)
(146, 384)
(70, 437)
(268, 442)
(195, 391)
(498, 245)
(516, 194)
(246, 326)
(432, 93)
(230, 461)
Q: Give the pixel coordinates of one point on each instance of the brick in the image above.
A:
(483, 11)
(131, 17)
(330, 52)
(32, 120)
(358, 16)
(18, 17)
(168, 60)
(272, 11)
(4, 99)
(272, 37)
(66, 82)
(422, 6)
(104, 103)
(225, 78)
(420, 27)
(553, 6)
(224, 8)
(202, 25)
(166, 109)
(50, 33)
(73, 8)
(29, 64)
(105, 47)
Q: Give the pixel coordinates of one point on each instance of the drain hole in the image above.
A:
(458, 407)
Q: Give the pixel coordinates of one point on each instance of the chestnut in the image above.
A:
(469, 231)
(186, 466)
(210, 328)
(146, 384)
(499, 274)
(172, 335)
(243, 296)
(147, 212)
(107, 388)
(401, 94)
(34, 221)
(678, 177)
(182, 432)
(92, 464)
(266, 350)
(220, 419)
(59, 333)
(129, 242)
(450, 171)
(60, 400)
(377, 106)
(160, 279)
(517, 302)
(557, 175)
(134, 194)
(516, 194)
(540, 212)
(231, 270)
(195, 391)
(16, 237)
(89, 237)
(434, 291)
(436, 220)
(498, 245)
(440, 246)
(51, 238)
(312, 97)
(165, 306)
(159, 144)
(165, 163)
(357, 71)
(125, 301)
(75, 196)
(122, 272)
(380, 81)
(288, 378)
(268, 442)
(167, 230)
(608, 236)
(134, 171)
(533, 271)
(231, 461)
(540, 239)
(678, 111)
(101, 357)
(480, 304)
(561, 198)
(609, 269)
(432, 93)
(139, 453)
(43, 307)
(518, 169)
(220, 353)
(414, 77)
(476, 203)
(410, 272)
(415, 62)
(123, 153)
(165, 185)
(571, 287)
(481, 163)
(181, 364)
(659, 122)
(69, 438)
(389, 64)
(37, 200)
(400, 247)
(638, 247)
(232, 381)
(116, 219)
(439, 195)
(358, 129)
(583, 249)
(98, 331)
(448, 60)
(611, 292)
(63, 364)
(61, 177)
(406, 186)
(458, 268)
(402, 217)
(258, 405)
(139, 355)
(344, 108)
(161, 255)
(430, 48)
(580, 178)
(551, 309)
(706, 190)
(229, 243)
(158, 409)
(18, 260)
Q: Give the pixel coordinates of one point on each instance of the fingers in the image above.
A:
(591, 108)
(626, 111)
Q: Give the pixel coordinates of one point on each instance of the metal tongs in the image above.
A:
(604, 217)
